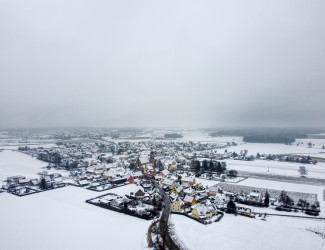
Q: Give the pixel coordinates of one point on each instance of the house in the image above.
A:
(139, 194)
(220, 200)
(137, 175)
(190, 180)
(146, 184)
(212, 191)
(168, 183)
(189, 191)
(255, 196)
(244, 211)
(177, 205)
(185, 185)
(171, 167)
(177, 189)
(34, 182)
(173, 196)
(199, 212)
(131, 180)
(190, 200)
(149, 175)
(164, 173)
(117, 181)
(83, 183)
(203, 212)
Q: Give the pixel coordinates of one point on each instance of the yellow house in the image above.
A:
(190, 180)
(201, 212)
(171, 167)
(195, 214)
(177, 206)
(177, 190)
(190, 200)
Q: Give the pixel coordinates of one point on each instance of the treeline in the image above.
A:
(272, 132)
(50, 157)
(173, 136)
(269, 139)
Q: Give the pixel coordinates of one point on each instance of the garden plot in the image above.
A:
(310, 197)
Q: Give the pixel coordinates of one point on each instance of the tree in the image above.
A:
(266, 199)
(231, 207)
(205, 165)
(285, 199)
(303, 171)
(232, 173)
(197, 166)
(211, 165)
(43, 184)
(219, 168)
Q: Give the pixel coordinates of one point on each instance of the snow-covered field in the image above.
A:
(275, 167)
(16, 163)
(274, 148)
(237, 232)
(60, 219)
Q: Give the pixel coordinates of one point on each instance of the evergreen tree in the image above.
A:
(283, 197)
(43, 184)
(197, 166)
(231, 207)
(219, 168)
(205, 165)
(211, 165)
(266, 199)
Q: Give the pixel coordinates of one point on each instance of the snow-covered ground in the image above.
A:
(237, 232)
(294, 187)
(276, 167)
(16, 163)
(274, 148)
(60, 219)
(290, 187)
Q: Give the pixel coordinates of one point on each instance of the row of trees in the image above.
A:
(212, 166)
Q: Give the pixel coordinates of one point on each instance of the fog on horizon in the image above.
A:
(162, 63)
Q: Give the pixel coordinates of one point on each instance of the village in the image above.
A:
(198, 183)
(161, 180)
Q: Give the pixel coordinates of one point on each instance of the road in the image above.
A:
(163, 225)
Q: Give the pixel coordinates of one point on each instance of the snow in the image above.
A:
(274, 148)
(60, 219)
(281, 185)
(16, 163)
(277, 167)
(237, 232)
(290, 187)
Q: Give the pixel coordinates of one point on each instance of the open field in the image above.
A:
(60, 219)
(279, 168)
(237, 232)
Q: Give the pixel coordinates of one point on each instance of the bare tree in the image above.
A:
(303, 171)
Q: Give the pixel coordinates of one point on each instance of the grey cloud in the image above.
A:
(162, 63)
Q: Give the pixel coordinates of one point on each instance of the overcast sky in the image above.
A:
(162, 63)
